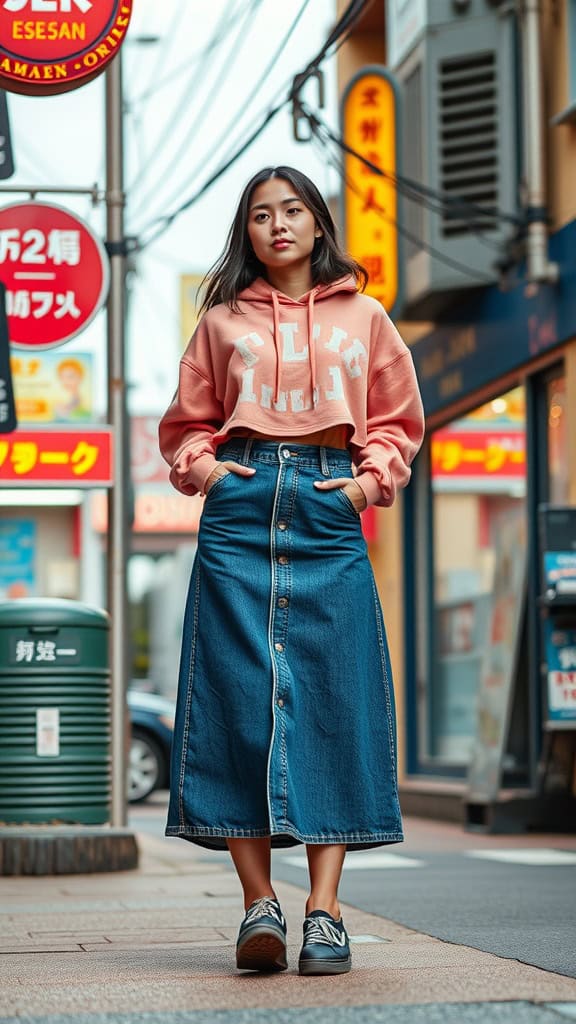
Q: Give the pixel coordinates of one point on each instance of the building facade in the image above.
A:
(483, 636)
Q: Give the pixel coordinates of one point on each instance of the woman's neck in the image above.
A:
(293, 281)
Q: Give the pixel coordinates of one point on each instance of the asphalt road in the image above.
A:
(521, 911)
(521, 905)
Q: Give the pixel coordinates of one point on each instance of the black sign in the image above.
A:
(6, 155)
(7, 407)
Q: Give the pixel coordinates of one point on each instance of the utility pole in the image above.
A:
(117, 418)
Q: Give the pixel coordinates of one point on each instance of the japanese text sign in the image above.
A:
(56, 458)
(53, 46)
(369, 119)
(478, 453)
(24, 651)
(56, 274)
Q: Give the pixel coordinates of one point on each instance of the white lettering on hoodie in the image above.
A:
(295, 400)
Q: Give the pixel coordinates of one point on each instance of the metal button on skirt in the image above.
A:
(285, 716)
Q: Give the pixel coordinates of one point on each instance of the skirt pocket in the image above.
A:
(218, 484)
(345, 500)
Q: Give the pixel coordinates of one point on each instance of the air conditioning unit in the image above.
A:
(460, 138)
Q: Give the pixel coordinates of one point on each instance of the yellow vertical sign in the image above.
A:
(369, 113)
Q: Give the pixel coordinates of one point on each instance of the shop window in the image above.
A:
(478, 481)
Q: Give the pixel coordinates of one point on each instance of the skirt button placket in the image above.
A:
(281, 579)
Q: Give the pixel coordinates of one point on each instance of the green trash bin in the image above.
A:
(54, 713)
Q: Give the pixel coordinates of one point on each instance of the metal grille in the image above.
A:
(468, 133)
(414, 214)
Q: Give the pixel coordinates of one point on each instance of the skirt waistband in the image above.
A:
(248, 450)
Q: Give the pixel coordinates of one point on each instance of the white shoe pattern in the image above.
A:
(264, 907)
(321, 931)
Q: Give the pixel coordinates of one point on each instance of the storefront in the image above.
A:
(499, 389)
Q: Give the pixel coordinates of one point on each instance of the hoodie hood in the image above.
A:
(260, 292)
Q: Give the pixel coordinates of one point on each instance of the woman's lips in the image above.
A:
(283, 244)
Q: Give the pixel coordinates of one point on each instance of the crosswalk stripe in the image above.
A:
(357, 861)
(533, 857)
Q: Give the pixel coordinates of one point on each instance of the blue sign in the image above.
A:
(17, 558)
(560, 648)
(560, 571)
(498, 331)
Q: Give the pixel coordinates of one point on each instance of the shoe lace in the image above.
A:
(320, 930)
(264, 907)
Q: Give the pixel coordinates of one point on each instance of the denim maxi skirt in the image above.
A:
(285, 722)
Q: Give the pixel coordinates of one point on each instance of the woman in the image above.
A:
(297, 407)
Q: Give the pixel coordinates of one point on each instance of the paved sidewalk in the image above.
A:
(157, 945)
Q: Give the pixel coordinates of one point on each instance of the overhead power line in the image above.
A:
(341, 30)
(189, 63)
(419, 192)
(463, 268)
(162, 50)
(224, 137)
(159, 226)
(199, 70)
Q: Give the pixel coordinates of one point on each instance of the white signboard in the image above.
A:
(405, 22)
(47, 732)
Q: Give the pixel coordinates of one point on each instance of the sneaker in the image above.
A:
(261, 942)
(326, 948)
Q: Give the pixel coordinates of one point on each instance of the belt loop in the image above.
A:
(247, 450)
(324, 462)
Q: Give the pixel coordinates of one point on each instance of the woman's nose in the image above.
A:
(278, 223)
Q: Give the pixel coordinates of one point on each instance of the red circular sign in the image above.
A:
(56, 274)
(52, 46)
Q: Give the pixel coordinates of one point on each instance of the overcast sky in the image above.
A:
(179, 107)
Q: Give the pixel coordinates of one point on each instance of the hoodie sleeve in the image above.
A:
(395, 420)
(188, 426)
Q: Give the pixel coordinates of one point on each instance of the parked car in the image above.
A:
(152, 723)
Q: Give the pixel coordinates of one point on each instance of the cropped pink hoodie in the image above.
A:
(289, 367)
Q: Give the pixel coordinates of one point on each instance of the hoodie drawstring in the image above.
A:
(311, 346)
(276, 316)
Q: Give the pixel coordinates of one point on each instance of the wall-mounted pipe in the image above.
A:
(539, 267)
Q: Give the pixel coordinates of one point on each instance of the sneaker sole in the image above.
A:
(311, 967)
(262, 950)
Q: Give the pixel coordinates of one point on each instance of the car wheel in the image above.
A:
(146, 767)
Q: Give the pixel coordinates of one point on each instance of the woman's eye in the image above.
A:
(294, 209)
(260, 217)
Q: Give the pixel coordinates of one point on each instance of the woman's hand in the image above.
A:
(350, 488)
(223, 468)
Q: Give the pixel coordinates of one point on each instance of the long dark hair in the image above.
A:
(238, 266)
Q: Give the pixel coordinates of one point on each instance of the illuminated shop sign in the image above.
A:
(56, 458)
(369, 117)
(478, 453)
(53, 46)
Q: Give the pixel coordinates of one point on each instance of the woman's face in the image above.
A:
(281, 228)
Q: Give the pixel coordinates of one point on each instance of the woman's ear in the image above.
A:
(318, 233)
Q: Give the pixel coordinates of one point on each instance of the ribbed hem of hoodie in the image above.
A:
(193, 480)
(370, 486)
